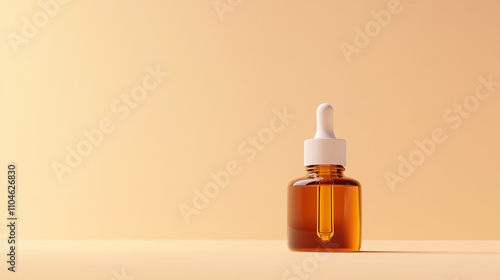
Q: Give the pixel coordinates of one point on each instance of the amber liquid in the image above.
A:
(303, 197)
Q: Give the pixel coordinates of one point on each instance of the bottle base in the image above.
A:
(341, 250)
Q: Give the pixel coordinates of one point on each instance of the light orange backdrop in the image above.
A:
(232, 65)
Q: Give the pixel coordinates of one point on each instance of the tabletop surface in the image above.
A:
(251, 259)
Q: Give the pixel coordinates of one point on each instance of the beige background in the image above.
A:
(226, 78)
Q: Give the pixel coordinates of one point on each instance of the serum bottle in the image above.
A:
(324, 207)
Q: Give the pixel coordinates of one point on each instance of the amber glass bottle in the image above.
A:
(324, 211)
(324, 207)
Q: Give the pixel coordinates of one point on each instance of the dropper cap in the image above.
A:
(324, 148)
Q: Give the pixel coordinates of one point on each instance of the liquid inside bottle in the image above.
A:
(324, 211)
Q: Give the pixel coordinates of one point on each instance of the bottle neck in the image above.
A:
(333, 171)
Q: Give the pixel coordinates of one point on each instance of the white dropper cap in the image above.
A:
(324, 148)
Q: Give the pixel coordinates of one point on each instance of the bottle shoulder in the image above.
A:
(311, 181)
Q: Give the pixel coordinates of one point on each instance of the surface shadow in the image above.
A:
(431, 252)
